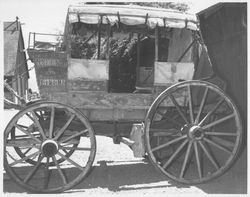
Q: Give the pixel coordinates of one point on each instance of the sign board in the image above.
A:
(51, 70)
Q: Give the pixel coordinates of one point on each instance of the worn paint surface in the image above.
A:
(51, 70)
(99, 105)
(104, 106)
(87, 85)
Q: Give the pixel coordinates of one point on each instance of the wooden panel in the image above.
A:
(103, 106)
(88, 69)
(86, 85)
(90, 100)
(106, 106)
(131, 101)
(171, 72)
(100, 114)
(130, 114)
(103, 100)
(51, 70)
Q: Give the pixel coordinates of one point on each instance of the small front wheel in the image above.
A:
(48, 147)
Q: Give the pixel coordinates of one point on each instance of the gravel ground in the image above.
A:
(117, 173)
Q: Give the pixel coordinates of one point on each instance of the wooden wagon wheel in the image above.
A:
(59, 153)
(44, 115)
(193, 132)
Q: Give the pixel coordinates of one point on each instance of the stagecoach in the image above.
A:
(139, 75)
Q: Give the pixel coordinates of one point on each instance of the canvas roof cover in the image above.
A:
(131, 15)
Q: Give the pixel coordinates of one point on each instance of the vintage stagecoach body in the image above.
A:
(131, 73)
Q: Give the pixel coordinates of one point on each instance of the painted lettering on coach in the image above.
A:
(51, 70)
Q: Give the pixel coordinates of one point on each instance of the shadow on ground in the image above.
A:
(136, 176)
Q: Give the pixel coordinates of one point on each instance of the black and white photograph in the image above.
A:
(124, 98)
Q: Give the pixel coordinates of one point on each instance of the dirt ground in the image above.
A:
(117, 173)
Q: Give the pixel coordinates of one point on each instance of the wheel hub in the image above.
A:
(196, 132)
(49, 148)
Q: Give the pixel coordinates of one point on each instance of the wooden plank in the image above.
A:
(130, 114)
(131, 101)
(86, 85)
(102, 100)
(100, 114)
(104, 106)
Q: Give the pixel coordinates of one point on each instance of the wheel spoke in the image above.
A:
(212, 111)
(14, 143)
(217, 145)
(218, 121)
(27, 133)
(59, 170)
(47, 174)
(168, 143)
(65, 151)
(222, 133)
(185, 160)
(197, 159)
(61, 131)
(30, 117)
(24, 158)
(52, 116)
(28, 150)
(164, 132)
(190, 104)
(71, 161)
(38, 125)
(169, 161)
(33, 171)
(74, 148)
(209, 155)
(73, 136)
(201, 106)
(25, 127)
(177, 107)
(223, 141)
(41, 114)
(37, 115)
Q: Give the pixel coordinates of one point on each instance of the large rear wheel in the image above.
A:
(193, 132)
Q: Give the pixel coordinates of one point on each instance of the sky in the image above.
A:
(48, 16)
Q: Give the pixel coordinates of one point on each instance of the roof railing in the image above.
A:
(45, 41)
